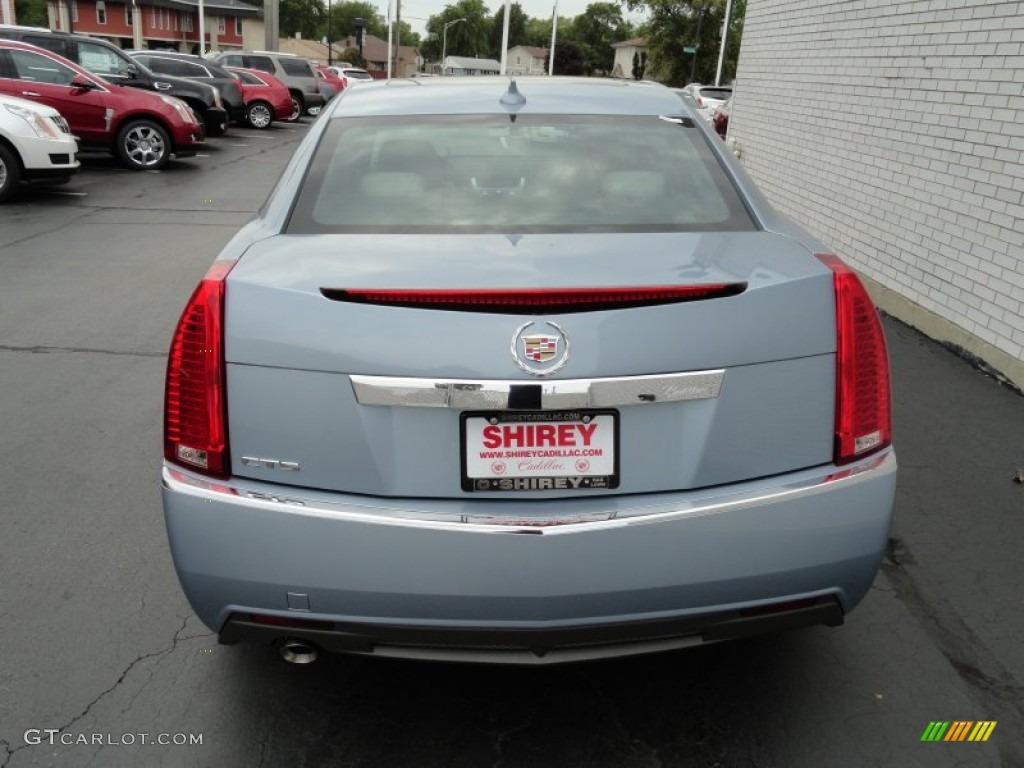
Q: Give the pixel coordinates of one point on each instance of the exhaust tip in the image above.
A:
(298, 651)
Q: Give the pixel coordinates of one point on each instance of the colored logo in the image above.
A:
(958, 730)
(551, 347)
(540, 348)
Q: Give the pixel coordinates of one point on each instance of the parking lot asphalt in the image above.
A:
(100, 647)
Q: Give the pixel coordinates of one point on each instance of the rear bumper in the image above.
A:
(574, 579)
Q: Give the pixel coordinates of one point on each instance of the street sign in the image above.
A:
(689, 49)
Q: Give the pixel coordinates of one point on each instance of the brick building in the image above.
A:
(895, 130)
(155, 23)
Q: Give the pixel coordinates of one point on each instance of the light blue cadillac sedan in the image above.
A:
(526, 372)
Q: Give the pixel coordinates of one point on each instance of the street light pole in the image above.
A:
(444, 44)
(725, 38)
(329, 62)
(554, 34)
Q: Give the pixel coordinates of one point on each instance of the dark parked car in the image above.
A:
(115, 66)
(379, 438)
(201, 70)
(143, 129)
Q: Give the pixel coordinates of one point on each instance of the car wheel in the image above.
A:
(297, 107)
(259, 115)
(143, 145)
(10, 173)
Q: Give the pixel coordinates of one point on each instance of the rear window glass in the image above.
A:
(259, 62)
(721, 94)
(247, 78)
(538, 174)
(358, 74)
(296, 67)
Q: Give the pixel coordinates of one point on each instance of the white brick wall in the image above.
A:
(894, 130)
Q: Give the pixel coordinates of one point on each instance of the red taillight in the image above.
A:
(863, 417)
(195, 405)
(534, 300)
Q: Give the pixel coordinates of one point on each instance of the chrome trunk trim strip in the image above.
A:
(554, 395)
(391, 512)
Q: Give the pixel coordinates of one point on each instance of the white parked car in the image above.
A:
(35, 145)
(706, 98)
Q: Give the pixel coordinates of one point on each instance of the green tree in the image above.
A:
(674, 24)
(306, 17)
(596, 29)
(468, 38)
(537, 32)
(568, 59)
(516, 28)
(343, 20)
(351, 55)
(31, 13)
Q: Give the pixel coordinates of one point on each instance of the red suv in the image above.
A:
(143, 129)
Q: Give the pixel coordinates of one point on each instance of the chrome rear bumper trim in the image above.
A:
(234, 491)
(554, 395)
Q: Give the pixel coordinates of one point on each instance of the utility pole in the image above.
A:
(504, 38)
(725, 38)
(397, 37)
(444, 44)
(202, 30)
(554, 34)
(693, 65)
(271, 24)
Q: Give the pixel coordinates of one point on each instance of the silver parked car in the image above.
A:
(523, 373)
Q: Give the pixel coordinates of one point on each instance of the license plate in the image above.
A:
(540, 450)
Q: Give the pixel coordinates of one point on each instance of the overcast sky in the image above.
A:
(416, 12)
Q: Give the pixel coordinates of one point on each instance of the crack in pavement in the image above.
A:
(43, 349)
(992, 684)
(162, 652)
(50, 231)
(8, 750)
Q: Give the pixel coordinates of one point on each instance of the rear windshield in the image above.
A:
(720, 94)
(296, 67)
(358, 74)
(538, 174)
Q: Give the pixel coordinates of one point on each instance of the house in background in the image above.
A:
(526, 60)
(375, 51)
(307, 49)
(624, 52)
(159, 24)
(464, 65)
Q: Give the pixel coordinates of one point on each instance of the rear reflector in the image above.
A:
(526, 301)
(863, 417)
(195, 406)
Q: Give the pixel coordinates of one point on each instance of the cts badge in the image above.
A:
(530, 349)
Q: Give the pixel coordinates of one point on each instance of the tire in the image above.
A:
(259, 115)
(10, 173)
(298, 107)
(143, 145)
